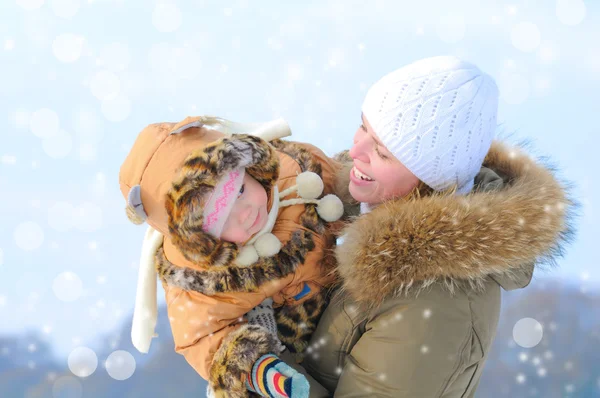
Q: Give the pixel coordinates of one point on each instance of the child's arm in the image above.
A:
(270, 375)
(297, 322)
(213, 336)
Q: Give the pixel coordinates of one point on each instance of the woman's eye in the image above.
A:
(381, 155)
(242, 189)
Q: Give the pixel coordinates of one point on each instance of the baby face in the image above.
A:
(249, 213)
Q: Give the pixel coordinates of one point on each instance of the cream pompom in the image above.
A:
(310, 185)
(247, 256)
(330, 208)
(267, 245)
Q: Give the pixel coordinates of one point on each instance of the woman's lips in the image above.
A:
(356, 178)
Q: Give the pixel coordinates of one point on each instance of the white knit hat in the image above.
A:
(438, 117)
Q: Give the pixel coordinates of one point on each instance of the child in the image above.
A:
(224, 242)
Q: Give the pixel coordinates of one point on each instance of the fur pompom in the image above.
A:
(310, 185)
(247, 256)
(330, 208)
(267, 245)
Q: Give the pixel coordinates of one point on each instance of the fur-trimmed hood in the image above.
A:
(198, 176)
(517, 216)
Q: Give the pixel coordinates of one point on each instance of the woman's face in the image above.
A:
(377, 175)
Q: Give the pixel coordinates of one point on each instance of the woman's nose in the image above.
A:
(358, 150)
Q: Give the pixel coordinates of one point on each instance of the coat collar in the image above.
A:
(516, 216)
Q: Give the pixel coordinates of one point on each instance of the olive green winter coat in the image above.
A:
(419, 297)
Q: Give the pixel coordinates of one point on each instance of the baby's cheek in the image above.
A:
(234, 234)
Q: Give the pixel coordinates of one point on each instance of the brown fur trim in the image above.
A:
(233, 278)
(405, 245)
(296, 323)
(342, 185)
(307, 162)
(236, 356)
(302, 156)
(199, 175)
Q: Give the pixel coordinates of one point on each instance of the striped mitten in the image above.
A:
(273, 378)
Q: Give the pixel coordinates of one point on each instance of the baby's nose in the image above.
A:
(245, 213)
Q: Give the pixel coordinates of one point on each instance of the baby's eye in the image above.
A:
(242, 190)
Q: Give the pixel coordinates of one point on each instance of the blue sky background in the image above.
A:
(79, 79)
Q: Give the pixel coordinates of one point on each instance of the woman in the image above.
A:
(449, 217)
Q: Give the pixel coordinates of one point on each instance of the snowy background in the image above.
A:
(80, 78)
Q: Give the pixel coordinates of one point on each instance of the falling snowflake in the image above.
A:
(542, 372)
(526, 37)
(82, 361)
(523, 357)
(67, 48)
(568, 365)
(570, 12)
(570, 388)
(120, 365)
(528, 332)
(67, 287)
(29, 235)
(167, 17)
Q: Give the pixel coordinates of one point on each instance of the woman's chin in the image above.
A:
(361, 194)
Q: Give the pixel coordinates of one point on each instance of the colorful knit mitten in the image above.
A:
(273, 378)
